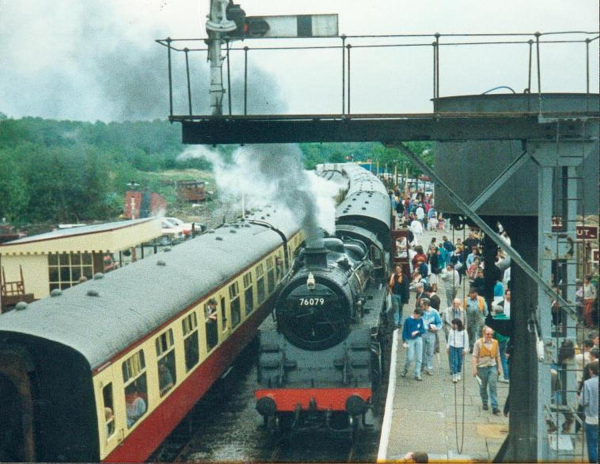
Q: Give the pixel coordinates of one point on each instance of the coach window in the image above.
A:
(212, 331)
(248, 293)
(136, 387)
(278, 268)
(234, 298)
(260, 283)
(190, 341)
(271, 274)
(223, 314)
(165, 353)
(109, 409)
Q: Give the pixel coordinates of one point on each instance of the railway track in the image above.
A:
(224, 426)
(323, 448)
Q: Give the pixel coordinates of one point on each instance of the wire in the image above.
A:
(499, 87)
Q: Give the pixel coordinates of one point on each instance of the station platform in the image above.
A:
(442, 418)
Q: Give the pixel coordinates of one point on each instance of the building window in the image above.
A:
(234, 299)
(260, 283)
(165, 353)
(66, 269)
(248, 293)
(190, 341)
(136, 387)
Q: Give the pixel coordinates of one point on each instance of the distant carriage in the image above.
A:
(191, 191)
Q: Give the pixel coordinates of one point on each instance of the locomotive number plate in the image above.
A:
(312, 301)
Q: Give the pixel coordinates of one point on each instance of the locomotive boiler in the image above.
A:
(322, 364)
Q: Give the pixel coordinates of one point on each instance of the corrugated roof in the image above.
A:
(76, 231)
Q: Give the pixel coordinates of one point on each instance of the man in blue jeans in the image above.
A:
(502, 342)
(432, 322)
(589, 400)
(412, 339)
(399, 290)
(487, 366)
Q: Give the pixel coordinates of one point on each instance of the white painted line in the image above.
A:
(389, 403)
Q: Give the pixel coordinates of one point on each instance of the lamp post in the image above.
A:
(133, 186)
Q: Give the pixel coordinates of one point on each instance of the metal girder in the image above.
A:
(375, 128)
(499, 181)
(514, 254)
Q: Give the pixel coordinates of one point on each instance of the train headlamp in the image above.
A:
(311, 284)
(355, 405)
(266, 406)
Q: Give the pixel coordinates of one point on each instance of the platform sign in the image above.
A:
(587, 232)
(320, 25)
(595, 256)
(556, 223)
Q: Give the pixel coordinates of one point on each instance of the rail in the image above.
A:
(343, 61)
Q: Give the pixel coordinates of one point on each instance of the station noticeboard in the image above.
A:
(587, 232)
(583, 232)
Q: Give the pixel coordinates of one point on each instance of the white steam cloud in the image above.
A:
(97, 60)
(273, 174)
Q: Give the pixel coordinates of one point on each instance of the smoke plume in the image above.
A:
(273, 174)
(92, 60)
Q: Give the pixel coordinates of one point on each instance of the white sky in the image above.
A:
(97, 59)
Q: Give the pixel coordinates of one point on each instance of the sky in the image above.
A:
(98, 60)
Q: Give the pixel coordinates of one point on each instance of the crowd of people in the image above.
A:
(467, 323)
(450, 265)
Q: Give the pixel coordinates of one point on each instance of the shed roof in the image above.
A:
(106, 237)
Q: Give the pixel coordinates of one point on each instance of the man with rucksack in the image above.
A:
(476, 309)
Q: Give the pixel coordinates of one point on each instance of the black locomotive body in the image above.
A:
(322, 364)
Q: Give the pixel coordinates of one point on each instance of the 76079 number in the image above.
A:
(312, 301)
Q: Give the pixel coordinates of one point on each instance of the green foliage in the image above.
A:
(67, 171)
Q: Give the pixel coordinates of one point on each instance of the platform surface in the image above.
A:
(437, 416)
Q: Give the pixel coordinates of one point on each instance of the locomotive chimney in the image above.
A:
(316, 254)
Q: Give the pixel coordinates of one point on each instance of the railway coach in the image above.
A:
(105, 370)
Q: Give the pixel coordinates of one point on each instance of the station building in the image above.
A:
(32, 267)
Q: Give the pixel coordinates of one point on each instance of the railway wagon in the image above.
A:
(322, 365)
(105, 370)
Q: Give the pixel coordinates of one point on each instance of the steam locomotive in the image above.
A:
(322, 364)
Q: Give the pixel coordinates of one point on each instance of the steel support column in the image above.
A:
(557, 162)
(544, 317)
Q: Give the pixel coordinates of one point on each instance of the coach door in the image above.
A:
(399, 250)
(16, 410)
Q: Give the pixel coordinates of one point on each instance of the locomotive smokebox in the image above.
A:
(315, 257)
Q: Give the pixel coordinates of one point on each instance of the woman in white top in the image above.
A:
(458, 345)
